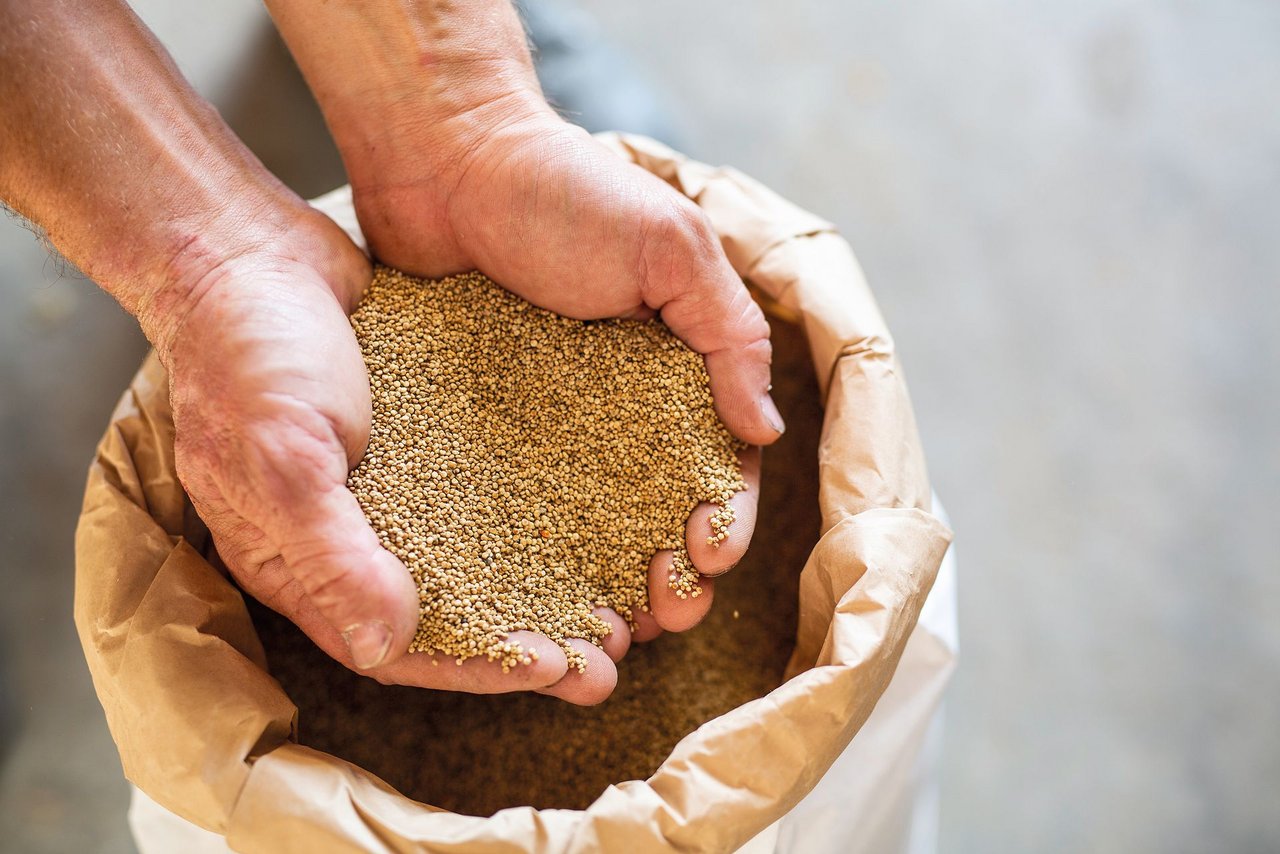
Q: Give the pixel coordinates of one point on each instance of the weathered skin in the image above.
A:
(457, 162)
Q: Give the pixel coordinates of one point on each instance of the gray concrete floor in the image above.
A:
(1068, 211)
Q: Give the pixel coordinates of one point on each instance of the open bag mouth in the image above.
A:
(478, 754)
(205, 730)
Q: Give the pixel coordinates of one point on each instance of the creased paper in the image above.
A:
(205, 731)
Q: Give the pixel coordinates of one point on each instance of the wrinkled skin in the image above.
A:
(271, 398)
(457, 162)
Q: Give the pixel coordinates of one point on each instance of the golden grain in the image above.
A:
(525, 466)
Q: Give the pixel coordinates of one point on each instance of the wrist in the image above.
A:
(411, 88)
(241, 247)
(426, 143)
(448, 53)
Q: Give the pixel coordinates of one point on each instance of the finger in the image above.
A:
(295, 493)
(618, 641)
(546, 662)
(740, 381)
(718, 559)
(544, 665)
(292, 488)
(671, 612)
(704, 302)
(593, 684)
(647, 627)
(244, 547)
(361, 589)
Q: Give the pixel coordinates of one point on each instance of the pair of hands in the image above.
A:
(271, 398)
(456, 163)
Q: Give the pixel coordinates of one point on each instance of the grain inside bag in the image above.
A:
(206, 731)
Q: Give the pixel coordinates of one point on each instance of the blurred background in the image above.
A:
(1070, 213)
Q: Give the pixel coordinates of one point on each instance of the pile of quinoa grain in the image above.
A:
(525, 467)
(479, 753)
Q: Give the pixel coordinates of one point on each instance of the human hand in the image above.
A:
(243, 290)
(457, 162)
(271, 410)
(548, 212)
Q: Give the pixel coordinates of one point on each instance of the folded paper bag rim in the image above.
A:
(204, 730)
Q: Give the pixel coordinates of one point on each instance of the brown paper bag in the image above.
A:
(205, 731)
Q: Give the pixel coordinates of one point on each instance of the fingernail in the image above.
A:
(368, 643)
(771, 414)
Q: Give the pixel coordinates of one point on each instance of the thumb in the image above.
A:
(688, 279)
(363, 590)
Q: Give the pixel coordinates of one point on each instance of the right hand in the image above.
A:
(457, 163)
(271, 410)
(553, 216)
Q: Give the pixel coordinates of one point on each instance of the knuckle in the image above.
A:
(284, 448)
(328, 582)
(685, 225)
(751, 326)
(760, 348)
(335, 571)
(676, 246)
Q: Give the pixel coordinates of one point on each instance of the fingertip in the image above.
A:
(773, 418)
(716, 558)
(390, 602)
(618, 641)
(647, 627)
(740, 379)
(369, 644)
(713, 559)
(546, 665)
(673, 613)
(363, 591)
(591, 685)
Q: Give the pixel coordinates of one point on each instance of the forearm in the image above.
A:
(132, 176)
(408, 80)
